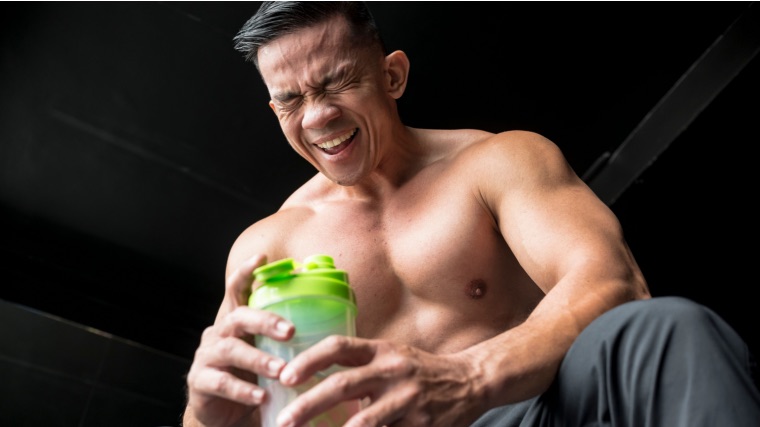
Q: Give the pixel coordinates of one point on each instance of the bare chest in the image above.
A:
(428, 267)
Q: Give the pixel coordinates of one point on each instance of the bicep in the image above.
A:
(552, 221)
(253, 247)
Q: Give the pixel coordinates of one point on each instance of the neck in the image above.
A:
(403, 155)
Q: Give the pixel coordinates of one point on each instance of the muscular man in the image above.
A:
(477, 260)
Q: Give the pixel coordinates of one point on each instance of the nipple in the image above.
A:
(476, 289)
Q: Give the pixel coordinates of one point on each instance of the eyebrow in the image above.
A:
(332, 77)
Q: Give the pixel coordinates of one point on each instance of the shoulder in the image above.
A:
(514, 154)
(515, 144)
(270, 235)
(484, 156)
(512, 167)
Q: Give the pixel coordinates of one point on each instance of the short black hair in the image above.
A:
(274, 19)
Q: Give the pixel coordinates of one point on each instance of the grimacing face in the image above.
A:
(331, 97)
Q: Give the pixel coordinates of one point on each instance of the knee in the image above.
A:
(642, 333)
(655, 320)
(667, 311)
(664, 322)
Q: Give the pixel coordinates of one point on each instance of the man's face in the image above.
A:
(329, 97)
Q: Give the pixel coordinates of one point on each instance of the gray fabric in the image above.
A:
(663, 362)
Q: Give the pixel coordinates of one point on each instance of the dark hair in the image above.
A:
(274, 19)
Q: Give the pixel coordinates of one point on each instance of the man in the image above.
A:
(477, 260)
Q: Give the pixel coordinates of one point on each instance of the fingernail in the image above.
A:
(283, 327)
(258, 395)
(285, 419)
(274, 366)
(287, 375)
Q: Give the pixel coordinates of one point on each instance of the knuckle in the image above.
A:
(339, 382)
(201, 354)
(221, 383)
(192, 376)
(261, 364)
(271, 319)
(235, 315)
(208, 333)
(398, 365)
(337, 343)
(225, 347)
(236, 318)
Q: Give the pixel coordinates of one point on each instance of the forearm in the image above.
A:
(522, 362)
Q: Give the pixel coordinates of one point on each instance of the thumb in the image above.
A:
(238, 286)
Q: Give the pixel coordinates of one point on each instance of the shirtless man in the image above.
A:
(477, 258)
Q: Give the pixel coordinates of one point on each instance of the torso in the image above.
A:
(427, 262)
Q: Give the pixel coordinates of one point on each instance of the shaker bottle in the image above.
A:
(317, 299)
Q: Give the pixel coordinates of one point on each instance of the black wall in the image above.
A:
(136, 144)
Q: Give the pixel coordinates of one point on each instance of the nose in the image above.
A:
(319, 112)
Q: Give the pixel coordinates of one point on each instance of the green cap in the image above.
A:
(286, 279)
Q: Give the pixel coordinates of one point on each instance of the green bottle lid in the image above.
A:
(286, 279)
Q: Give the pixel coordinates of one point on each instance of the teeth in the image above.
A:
(336, 141)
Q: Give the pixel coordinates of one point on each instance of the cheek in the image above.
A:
(290, 126)
(369, 101)
(291, 133)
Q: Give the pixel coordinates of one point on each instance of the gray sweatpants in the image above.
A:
(663, 362)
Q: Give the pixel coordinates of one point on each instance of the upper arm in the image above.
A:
(256, 239)
(256, 245)
(552, 221)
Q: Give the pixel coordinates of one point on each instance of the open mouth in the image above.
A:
(338, 144)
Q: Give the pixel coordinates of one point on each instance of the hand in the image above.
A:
(405, 386)
(222, 388)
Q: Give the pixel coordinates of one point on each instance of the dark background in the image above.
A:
(136, 144)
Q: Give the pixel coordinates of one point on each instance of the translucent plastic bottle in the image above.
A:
(317, 299)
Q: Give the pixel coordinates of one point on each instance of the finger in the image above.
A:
(390, 410)
(245, 321)
(224, 384)
(235, 353)
(341, 386)
(335, 349)
(238, 283)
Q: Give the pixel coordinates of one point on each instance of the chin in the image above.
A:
(345, 180)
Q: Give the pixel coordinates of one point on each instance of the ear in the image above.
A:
(396, 73)
(271, 105)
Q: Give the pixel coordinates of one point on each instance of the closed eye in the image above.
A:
(288, 103)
